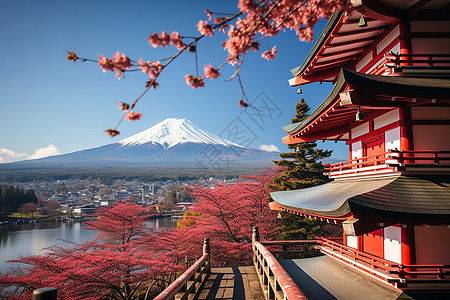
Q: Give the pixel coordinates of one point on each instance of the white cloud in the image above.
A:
(270, 148)
(7, 155)
(44, 152)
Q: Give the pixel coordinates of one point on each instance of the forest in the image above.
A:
(11, 198)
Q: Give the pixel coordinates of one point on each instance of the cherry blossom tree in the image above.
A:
(28, 208)
(128, 259)
(227, 213)
(118, 264)
(242, 32)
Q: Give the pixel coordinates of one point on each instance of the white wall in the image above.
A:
(386, 119)
(392, 244)
(352, 241)
(356, 150)
(432, 244)
(431, 137)
(389, 38)
(364, 62)
(392, 139)
(430, 113)
(430, 26)
(360, 130)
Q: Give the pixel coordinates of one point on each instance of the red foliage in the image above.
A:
(116, 264)
(127, 256)
(227, 213)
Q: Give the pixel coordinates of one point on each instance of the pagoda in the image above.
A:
(389, 61)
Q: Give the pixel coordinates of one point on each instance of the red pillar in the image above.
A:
(360, 243)
(408, 245)
(406, 141)
(405, 41)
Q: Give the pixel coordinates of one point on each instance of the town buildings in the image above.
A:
(389, 61)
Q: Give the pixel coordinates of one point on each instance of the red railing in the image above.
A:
(191, 281)
(417, 60)
(396, 62)
(392, 160)
(274, 279)
(404, 272)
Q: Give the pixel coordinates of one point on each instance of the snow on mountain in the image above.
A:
(173, 131)
(172, 143)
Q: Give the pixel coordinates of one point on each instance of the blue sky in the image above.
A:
(51, 105)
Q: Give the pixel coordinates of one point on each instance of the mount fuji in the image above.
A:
(170, 143)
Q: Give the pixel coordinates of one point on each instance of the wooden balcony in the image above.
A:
(409, 64)
(394, 161)
(401, 276)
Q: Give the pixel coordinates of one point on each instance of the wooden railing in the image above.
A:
(191, 281)
(383, 268)
(298, 248)
(275, 281)
(390, 161)
(418, 60)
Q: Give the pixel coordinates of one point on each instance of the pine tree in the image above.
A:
(302, 169)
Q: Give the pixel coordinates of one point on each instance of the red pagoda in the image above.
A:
(389, 61)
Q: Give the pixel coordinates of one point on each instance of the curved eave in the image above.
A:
(334, 20)
(370, 92)
(295, 127)
(399, 197)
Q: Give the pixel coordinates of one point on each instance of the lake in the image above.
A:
(28, 239)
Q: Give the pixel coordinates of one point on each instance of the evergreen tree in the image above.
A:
(302, 166)
(302, 169)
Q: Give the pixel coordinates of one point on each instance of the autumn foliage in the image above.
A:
(128, 259)
(120, 263)
(227, 214)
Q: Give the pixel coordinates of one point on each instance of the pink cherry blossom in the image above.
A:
(211, 72)
(118, 74)
(165, 38)
(123, 106)
(209, 14)
(246, 5)
(270, 54)
(305, 34)
(204, 28)
(105, 64)
(177, 40)
(193, 81)
(121, 61)
(155, 40)
(144, 66)
(132, 116)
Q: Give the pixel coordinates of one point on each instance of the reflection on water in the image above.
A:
(18, 240)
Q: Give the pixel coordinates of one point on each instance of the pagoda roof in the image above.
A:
(339, 46)
(355, 91)
(343, 44)
(397, 197)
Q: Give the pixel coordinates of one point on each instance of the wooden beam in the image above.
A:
(317, 75)
(416, 7)
(365, 30)
(341, 52)
(332, 61)
(306, 137)
(352, 42)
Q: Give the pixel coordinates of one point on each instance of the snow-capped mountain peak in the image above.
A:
(173, 131)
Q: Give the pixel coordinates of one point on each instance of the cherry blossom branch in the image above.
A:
(265, 17)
